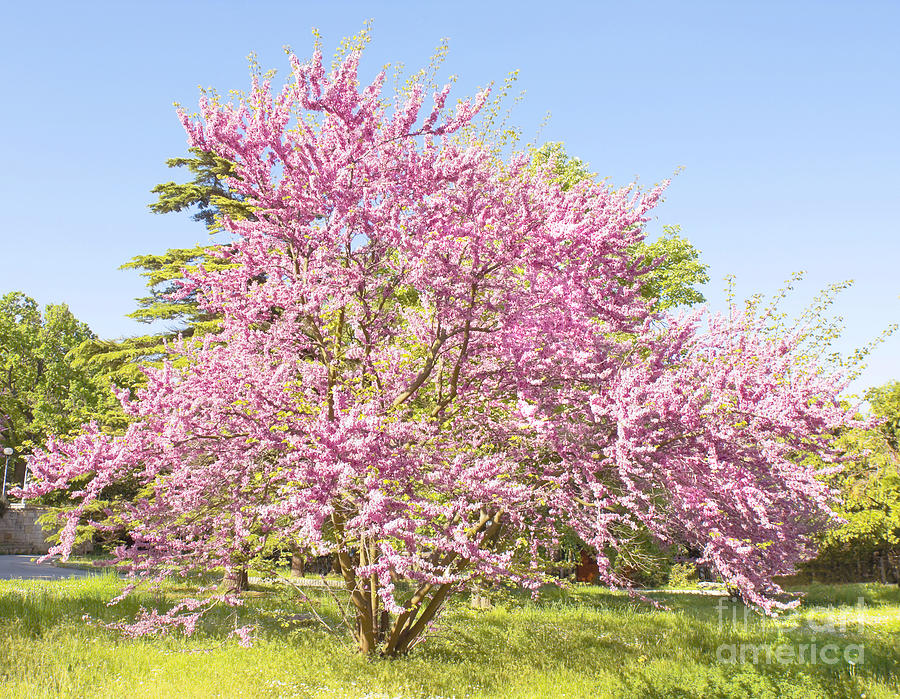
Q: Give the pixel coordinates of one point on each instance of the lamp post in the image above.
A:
(8, 451)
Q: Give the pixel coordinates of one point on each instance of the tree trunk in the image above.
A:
(894, 560)
(411, 624)
(237, 580)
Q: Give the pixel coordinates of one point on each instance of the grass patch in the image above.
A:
(576, 643)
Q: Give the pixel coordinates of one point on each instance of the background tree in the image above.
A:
(885, 402)
(208, 192)
(41, 392)
(430, 359)
(208, 196)
(867, 544)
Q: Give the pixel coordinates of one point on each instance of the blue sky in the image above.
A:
(784, 116)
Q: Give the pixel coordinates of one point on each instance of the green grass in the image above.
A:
(585, 642)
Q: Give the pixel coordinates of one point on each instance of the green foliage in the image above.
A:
(885, 402)
(42, 391)
(119, 361)
(211, 198)
(640, 559)
(674, 267)
(683, 575)
(567, 171)
(162, 273)
(869, 485)
(207, 192)
(677, 270)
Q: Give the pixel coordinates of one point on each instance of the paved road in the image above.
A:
(26, 567)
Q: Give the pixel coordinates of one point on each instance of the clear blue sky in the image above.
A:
(784, 116)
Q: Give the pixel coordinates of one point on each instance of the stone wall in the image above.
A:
(20, 531)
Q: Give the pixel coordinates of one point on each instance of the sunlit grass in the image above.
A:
(585, 642)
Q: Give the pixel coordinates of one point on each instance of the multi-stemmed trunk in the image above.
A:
(376, 631)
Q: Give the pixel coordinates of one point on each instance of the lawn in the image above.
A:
(583, 642)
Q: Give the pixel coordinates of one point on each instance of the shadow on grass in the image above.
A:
(593, 630)
(36, 608)
(604, 642)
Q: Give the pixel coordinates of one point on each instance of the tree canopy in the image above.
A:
(432, 358)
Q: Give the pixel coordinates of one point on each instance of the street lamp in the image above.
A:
(9, 452)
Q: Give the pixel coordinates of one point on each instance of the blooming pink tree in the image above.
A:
(431, 361)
